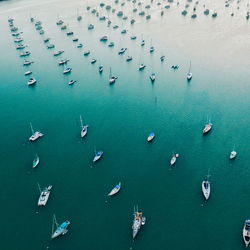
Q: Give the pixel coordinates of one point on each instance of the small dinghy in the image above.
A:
(115, 190)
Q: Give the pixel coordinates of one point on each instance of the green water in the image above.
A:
(120, 118)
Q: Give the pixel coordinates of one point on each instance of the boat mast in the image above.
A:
(32, 130)
(39, 188)
(81, 121)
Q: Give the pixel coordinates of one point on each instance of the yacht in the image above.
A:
(98, 155)
(44, 195)
(232, 155)
(36, 161)
(67, 70)
(63, 61)
(151, 137)
(246, 232)
(173, 159)
(71, 82)
(93, 61)
(86, 53)
(152, 77)
(138, 221)
(35, 135)
(31, 81)
(59, 52)
(61, 229)
(100, 69)
(206, 187)
(115, 190)
(142, 66)
(122, 51)
(29, 72)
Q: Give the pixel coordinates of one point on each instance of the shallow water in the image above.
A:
(120, 118)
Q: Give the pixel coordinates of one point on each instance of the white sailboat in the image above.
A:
(115, 190)
(60, 229)
(174, 159)
(84, 129)
(35, 135)
(207, 127)
(189, 74)
(205, 186)
(232, 154)
(44, 195)
(112, 79)
(36, 161)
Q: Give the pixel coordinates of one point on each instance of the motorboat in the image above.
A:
(129, 58)
(162, 58)
(122, 51)
(31, 81)
(60, 22)
(97, 156)
(75, 40)
(142, 42)
(86, 53)
(20, 46)
(71, 82)
(174, 159)
(115, 190)
(63, 61)
(142, 66)
(93, 61)
(25, 53)
(50, 46)
(133, 37)
(111, 44)
(29, 72)
(46, 40)
(67, 70)
(152, 49)
(100, 69)
(18, 40)
(124, 31)
(80, 45)
(70, 33)
(59, 52)
(90, 26)
(152, 77)
(246, 232)
(44, 196)
(104, 39)
(189, 74)
(151, 137)
(26, 63)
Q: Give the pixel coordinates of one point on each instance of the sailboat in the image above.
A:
(246, 232)
(189, 74)
(35, 161)
(112, 79)
(84, 129)
(60, 229)
(35, 135)
(44, 195)
(97, 156)
(151, 137)
(138, 221)
(206, 187)
(173, 159)
(232, 155)
(115, 190)
(207, 127)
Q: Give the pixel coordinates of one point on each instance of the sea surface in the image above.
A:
(120, 117)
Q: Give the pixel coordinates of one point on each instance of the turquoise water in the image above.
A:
(120, 118)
